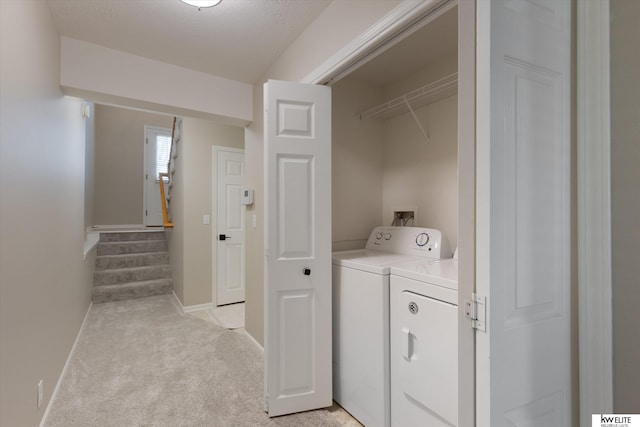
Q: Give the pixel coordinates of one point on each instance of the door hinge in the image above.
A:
(146, 140)
(476, 311)
(146, 176)
(146, 213)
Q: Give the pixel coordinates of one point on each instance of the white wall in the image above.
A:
(625, 202)
(119, 163)
(339, 24)
(379, 165)
(357, 164)
(44, 283)
(112, 77)
(422, 174)
(191, 240)
(418, 173)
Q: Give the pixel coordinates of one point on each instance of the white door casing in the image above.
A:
(229, 252)
(524, 367)
(152, 209)
(297, 247)
(594, 207)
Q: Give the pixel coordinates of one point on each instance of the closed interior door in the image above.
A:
(230, 231)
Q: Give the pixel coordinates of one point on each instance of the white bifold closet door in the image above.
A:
(297, 247)
(524, 360)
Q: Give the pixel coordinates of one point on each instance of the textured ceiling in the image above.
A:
(238, 39)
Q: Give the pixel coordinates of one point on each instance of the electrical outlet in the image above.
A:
(40, 392)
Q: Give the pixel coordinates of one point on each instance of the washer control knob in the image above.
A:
(413, 308)
(387, 236)
(422, 239)
(378, 236)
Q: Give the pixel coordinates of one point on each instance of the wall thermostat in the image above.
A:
(247, 196)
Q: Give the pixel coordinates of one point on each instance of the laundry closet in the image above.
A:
(394, 131)
(395, 163)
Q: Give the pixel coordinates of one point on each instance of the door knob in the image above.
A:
(223, 237)
(306, 271)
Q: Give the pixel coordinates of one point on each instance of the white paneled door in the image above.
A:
(230, 231)
(524, 359)
(297, 247)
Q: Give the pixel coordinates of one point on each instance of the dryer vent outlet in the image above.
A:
(404, 218)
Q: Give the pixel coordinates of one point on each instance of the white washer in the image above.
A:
(361, 371)
(424, 343)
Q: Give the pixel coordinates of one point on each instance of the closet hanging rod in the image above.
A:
(427, 94)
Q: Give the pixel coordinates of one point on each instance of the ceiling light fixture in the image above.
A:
(201, 3)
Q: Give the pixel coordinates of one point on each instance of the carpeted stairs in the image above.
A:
(131, 265)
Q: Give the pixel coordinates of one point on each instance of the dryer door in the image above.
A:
(426, 353)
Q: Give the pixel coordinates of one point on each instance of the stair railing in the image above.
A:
(165, 209)
(165, 196)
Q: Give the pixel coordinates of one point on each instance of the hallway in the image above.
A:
(143, 362)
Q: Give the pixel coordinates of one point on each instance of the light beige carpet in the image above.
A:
(142, 363)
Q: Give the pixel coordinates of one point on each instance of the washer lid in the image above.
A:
(371, 261)
(443, 272)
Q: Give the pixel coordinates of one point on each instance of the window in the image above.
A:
(163, 147)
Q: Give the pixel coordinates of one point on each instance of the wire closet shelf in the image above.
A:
(435, 91)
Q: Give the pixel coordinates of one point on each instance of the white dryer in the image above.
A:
(424, 343)
(361, 371)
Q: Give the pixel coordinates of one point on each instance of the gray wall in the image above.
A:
(89, 165)
(119, 163)
(625, 202)
(45, 284)
(190, 241)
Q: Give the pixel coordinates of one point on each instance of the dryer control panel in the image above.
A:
(426, 242)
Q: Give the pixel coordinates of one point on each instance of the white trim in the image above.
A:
(482, 205)
(401, 22)
(466, 207)
(594, 210)
(177, 302)
(90, 241)
(114, 228)
(215, 149)
(197, 307)
(189, 308)
(43, 421)
(253, 340)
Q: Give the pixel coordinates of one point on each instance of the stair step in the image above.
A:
(107, 262)
(131, 236)
(133, 274)
(125, 291)
(131, 247)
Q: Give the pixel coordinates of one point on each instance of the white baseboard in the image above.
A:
(253, 340)
(190, 308)
(108, 227)
(91, 241)
(43, 421)
(177, 302)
